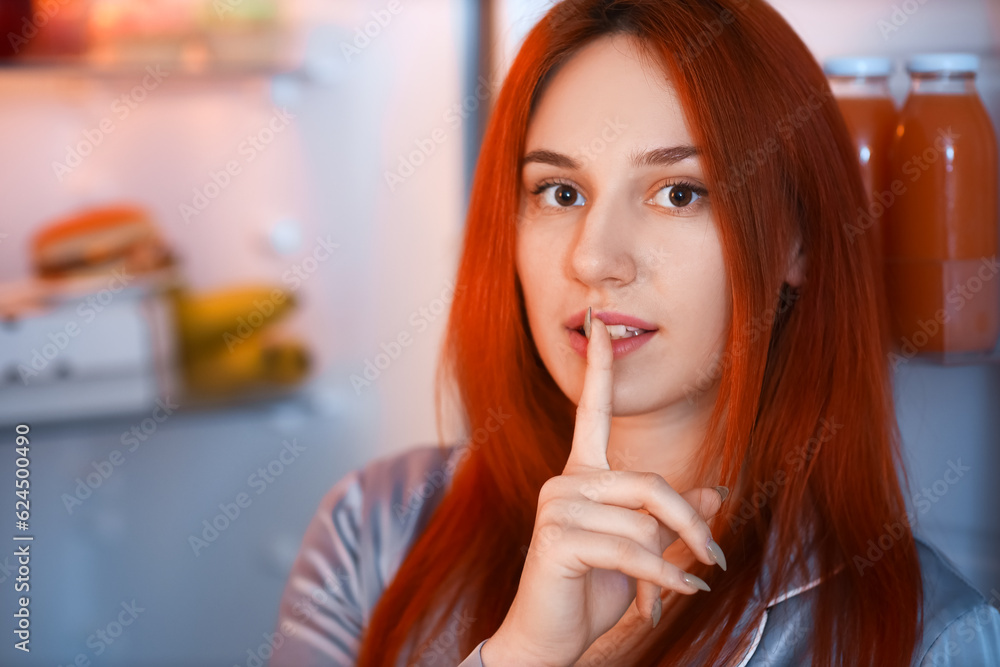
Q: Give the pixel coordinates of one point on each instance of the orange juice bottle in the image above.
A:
(941, 232)
(861, 86)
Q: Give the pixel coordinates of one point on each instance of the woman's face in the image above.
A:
(615, 215)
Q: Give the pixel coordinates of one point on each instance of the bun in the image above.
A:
(100, 240)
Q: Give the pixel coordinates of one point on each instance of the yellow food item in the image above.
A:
(254, 364)
(227, 319)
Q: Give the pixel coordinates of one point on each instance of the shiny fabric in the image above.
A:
(366, 523)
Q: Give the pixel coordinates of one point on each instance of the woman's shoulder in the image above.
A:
(360, 533)
(961, 627)
(393, 494)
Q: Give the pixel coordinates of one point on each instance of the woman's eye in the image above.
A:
(560, 194)
(677, 196)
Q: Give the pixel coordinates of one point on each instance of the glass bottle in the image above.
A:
(941, 231)
(861, 86)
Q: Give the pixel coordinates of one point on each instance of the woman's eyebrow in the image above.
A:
(655, 157)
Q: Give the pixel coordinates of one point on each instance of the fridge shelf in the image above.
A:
(956, 358)
(195, 67)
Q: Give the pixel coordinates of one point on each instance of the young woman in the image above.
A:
(704, 470)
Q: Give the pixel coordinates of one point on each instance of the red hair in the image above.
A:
(781, 170)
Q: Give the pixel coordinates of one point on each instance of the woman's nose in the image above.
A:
(604, 248)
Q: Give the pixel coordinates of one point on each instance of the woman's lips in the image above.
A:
(620, 347)
(609, 317)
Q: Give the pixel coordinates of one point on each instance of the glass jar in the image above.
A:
(941, 231)
(861, 86)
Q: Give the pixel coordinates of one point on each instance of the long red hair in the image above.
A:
(805, 396)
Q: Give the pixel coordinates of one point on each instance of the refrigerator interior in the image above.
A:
(405, 99)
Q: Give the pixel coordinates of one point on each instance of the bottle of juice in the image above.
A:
(940, 232)
(861, 86)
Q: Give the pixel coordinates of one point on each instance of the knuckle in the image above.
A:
(549, 490)
(553, 513)
(649, 528)
(549, 535)
(653, 481)
(590, 493)
(694, 522)
(624, 550)
(544, 514)
(669, 575)
(709, 503)
(562, 544)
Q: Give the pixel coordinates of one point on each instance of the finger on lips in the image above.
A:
(674, 517)
(593, 413)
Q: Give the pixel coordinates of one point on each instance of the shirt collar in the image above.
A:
(801, 579)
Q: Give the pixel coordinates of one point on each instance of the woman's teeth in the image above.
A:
(615, 331)
(621, 331)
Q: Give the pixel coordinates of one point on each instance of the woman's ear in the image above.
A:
(796, 265)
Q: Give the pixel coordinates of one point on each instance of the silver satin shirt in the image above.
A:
(366, 524)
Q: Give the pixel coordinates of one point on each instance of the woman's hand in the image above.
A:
(591, 551)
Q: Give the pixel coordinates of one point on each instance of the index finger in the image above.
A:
(593, 413)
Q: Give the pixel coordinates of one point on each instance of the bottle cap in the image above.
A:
(925, 63)
(857, 67)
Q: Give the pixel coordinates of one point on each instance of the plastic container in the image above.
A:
(941, 230)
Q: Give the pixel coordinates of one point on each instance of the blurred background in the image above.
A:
(228, 237)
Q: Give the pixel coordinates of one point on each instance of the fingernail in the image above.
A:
(586, 324)
(695, 582)
(657, 610)
(715, 551)
(723, 491)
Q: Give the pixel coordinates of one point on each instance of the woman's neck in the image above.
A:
(668, 442)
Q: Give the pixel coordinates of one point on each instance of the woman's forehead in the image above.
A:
(608, 97)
